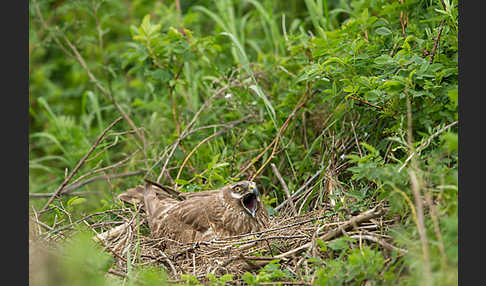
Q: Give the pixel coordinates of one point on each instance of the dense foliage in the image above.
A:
(365, 89)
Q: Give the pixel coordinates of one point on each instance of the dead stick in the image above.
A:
(188, 128)
(232, 125)
(300, 189)
(274, 141)
(305, 97)
(277, 228)
(284, 186)
(365, 216)
(260, 258)
(48, 195)
(80, 163)
(436, 42)
(365, 102)
(46, 28)
(104, 90)
(426, 143)
(381, 242)
(88, 181)
(187, 131)
(171, 92)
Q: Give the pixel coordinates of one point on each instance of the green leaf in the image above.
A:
(338, 244)
(322, 244)
(384, 60)
(75, 201)
(161, 75)
(181, 182)
(451, 141)
(382, 31)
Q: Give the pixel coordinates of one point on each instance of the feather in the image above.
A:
(189, 217)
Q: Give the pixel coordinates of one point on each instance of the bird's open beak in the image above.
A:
(250, 200)
(255, 191)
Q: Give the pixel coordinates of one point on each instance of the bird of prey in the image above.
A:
(197, 216)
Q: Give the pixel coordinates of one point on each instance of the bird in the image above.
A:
(192, 217)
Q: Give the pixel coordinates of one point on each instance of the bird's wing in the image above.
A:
(193, 212)
(185, 220)
(200, 194)
(135, 195)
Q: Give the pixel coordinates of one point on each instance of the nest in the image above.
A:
(286, 239)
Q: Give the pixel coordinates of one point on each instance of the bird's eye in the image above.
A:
(237, 189)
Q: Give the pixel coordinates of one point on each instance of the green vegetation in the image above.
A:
(366, 89)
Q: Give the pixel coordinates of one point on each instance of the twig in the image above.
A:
(304, 99)
(264, 258)
(421, 225)
(356, 139)
(284, 186)
(285, 283)
(279, 228)
(333, 233)
(365, 102)
(117, 273)
(436, 42)
(426, 143)
(189, 126)
(104, 149)
(274, 142)
(100, 178)
(415, 186)
(166, 259)
(403, 20)
(381, 242)
(105, 92)
(435, 221)
(80, 163)
(270, 237)
(171, 95)
(39, 223)
(193, 264)
(47, 195)
(85, 218)
(179, 13)
(103, 169)
(85, 182)
(253, 161)
(44, 25)
(300, 189)
(233, 124)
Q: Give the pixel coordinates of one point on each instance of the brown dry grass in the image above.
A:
(286, 238)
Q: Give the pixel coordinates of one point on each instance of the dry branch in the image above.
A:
(79, 184)
(300, 189)
(284, 186)
(80, 163)
(188, 128)
(230, 126)
(275, 141)
(375, 212)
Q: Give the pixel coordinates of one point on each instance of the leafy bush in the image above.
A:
(373, 84)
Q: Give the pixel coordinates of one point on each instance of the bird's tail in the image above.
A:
(136, 195)
(133, 195)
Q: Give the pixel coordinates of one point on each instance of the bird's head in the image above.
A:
(246, 194)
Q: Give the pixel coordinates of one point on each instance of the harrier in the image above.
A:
(189, 217)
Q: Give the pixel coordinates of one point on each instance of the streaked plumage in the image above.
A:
(231, 210)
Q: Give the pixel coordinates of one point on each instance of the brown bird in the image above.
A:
(190, 217)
